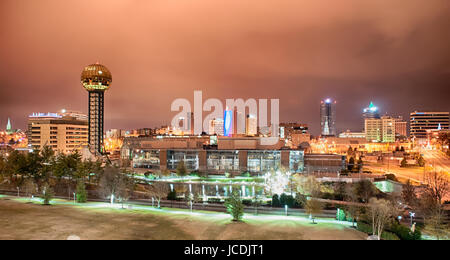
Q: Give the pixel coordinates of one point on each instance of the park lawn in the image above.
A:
(28, 220)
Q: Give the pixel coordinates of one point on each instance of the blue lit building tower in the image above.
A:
(228, 123)
(371, 112)
(328, 117)
(96, 79)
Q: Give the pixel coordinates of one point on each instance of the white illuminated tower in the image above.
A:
(96, 79)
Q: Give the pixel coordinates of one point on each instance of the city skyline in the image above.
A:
(379, 56)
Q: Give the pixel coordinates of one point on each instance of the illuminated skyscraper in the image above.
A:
(9, 127)
(228, 123)
(421, 122)
(96, 79)
(371, 112)
(328, 117)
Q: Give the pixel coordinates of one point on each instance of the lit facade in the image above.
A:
(371, 112)
(401, 127)
(373, 129)
(62, 134)
(421, 122)
(216, 127)
(228, 123)
(251, 125)
(328, 117)
(229, 155)
(388, 129)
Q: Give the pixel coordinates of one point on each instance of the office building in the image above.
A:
(373, 129)
(63, 134)
(401, 128)
(387, 129)
(371, 112)
(216, 127)
(251, 125)
(328, 117)
(421, 122)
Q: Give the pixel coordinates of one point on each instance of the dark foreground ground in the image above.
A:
(20, 219)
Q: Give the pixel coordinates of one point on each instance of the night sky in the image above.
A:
(394, 53)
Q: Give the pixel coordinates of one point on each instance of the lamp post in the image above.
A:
(412, 215)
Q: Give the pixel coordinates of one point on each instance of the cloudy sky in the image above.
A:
(394, 53)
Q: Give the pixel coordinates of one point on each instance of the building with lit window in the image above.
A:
(421, 122)
(216, 127)
(401, 128)
(387, 129)
(373, 129)
(328, 117)
(380, 130)
(251, 125)
(63, 134)
(215, 155)
(371, 112)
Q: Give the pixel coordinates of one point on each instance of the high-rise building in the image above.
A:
(328, 117)
(423, 121)
(371, 111)
(388, 129)
(401, 127)
(9, 127)
(228, 123)
(62, 134)
(96, 79)
(380, 129)
(216, 127)
(373, 129)
(251, 125)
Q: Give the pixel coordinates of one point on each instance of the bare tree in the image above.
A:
(313, 207)
(309, 186)
(436, 185)
(158, 191)
(30, 187)
(114, 184)
(435, 224)
(409, 196)
(381, 212)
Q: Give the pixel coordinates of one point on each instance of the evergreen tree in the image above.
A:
(81, 192)
(235, 206)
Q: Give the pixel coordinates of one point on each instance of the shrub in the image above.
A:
(287, 200)
(366, 228)
(213, 200)
(81, 192)
(247, 202)
(404, 233)
(245, 174)
(172, 195)
(276, 201)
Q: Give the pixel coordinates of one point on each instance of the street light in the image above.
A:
(412, 215)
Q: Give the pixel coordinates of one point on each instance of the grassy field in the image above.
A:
(21, 219)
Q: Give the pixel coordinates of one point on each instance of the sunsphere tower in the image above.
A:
(96, 79)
